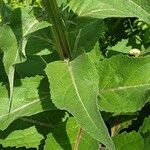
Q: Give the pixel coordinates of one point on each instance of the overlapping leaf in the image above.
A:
(145, 132)
(121, 47)
(68, 135)
(95, 55)
(28, 138)
(128, 141)
(23, 23)
(30, 97)
(124, 83)
(112, 8)
(84, 34)
(13, 44)
(74, 87)
(146, 126)
(9, 47)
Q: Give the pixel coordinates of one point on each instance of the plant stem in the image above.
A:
(79, 134)
(58, 29)
(116, 126)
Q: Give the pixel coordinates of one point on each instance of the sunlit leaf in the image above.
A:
(74, 87)
(112, 8)
(128, 141)
(124, 83)
(31, 96)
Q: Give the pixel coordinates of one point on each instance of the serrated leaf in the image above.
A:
(112, 8)
(95, 55)
(31, 96)
(68, 135)
(74, 87)
(13, 44)
(124, 83)
(128, 141)
(121, 47)
(28, 138)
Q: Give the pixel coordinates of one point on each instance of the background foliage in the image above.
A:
(48, 103)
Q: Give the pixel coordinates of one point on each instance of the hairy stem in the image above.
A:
(58, 29)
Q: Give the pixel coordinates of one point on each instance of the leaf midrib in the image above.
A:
(30, 27)
(99, 10)
(120, 88)
(78, 94)
(24, 106)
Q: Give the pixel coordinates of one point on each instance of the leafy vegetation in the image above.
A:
(75, 74)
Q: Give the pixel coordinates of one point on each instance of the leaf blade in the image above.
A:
(125, 86)
(127, 141)
(70, 137)
(28, 138)
(9, 46)
(73, 87)
(28, 100)
(112, 8)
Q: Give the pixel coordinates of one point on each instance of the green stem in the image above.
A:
(58, 29)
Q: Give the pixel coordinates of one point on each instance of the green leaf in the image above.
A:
(128, 141)
(145, 132)
(146, 37)
(74, 87)
(35, 62)
(31, 96)
(24, 23)
(62, 2)
(121, 47)
(95, 55)
(112, 8)
(13, 44)
(145, 126)
(41, 40)
(3, 76)
(9, 46)
(146, 138)
(68, 135)
(84, 34)
(28, 138)
(5, 11)
(124, 83)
